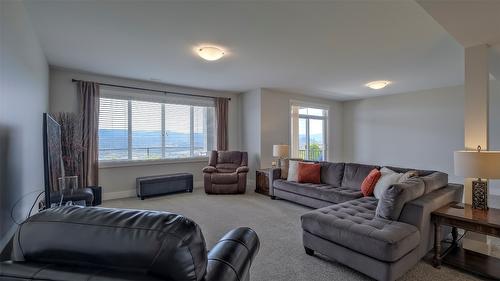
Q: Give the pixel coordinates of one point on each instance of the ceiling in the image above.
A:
(471, 23)
(328, 49)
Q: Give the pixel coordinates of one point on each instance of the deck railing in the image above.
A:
(314, 154)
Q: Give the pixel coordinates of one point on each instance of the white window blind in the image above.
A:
(146, 130)
(113, 129)
(178, 130)
(142, 127)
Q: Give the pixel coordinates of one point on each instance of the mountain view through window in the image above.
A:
(144, 130)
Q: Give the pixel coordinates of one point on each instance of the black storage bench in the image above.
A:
(163, 184)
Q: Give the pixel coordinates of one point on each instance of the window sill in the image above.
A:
(131, 163)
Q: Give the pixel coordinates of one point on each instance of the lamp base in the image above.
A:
(480, 195)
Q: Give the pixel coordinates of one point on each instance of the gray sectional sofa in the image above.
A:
(380, 238)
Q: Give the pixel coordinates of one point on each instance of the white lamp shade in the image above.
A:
(280, 150)
(474, 164)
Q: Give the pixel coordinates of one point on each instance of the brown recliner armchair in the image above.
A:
(226, 172)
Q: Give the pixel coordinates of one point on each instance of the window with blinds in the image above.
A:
(134, 126)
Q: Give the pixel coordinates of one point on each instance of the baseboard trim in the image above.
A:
(132, 193)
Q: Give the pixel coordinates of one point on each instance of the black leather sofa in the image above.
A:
(98, 244)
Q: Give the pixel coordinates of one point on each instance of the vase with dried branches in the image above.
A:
(71, 143)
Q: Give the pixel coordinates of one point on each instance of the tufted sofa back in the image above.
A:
(351, 175)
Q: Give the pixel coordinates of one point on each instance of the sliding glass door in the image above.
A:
(308, 138)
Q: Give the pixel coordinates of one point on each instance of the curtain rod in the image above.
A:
(146, 89)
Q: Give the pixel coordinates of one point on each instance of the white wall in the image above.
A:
(266, 121)
(120, 181)
(275, 123)
(23, 98)
(494, 127)
(416, 130)
(251, 129)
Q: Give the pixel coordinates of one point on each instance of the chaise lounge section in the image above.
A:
(380, 239)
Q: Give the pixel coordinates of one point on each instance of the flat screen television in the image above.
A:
(52, 156)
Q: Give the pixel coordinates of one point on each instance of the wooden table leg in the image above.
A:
(436, 262)
(454, 234)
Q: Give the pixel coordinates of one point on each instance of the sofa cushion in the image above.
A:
(353, 224)
(397, 195)
(233, 157)
(332, 173)
(420, 173)
(224, 178)
(354, 174)
(323, 192)
(434, 181)
(226, 167)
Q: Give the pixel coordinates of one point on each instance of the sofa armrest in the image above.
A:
(230, 259)
(242, 169)
(274, 174)
(418, 212)
(209, 169)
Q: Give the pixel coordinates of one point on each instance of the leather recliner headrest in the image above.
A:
(160, 243)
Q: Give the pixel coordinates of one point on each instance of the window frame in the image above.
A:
(325, 118)
(130, 97)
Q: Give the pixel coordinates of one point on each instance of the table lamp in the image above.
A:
(280, 151)
(481, 165)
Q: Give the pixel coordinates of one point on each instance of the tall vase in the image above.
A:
(67, 185)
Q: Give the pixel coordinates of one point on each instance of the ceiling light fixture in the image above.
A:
(210, 53)
(377, 85)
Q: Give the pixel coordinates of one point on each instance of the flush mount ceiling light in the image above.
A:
(210, 53)
(377, 85)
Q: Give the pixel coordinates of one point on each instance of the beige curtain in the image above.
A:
(88, 94)
(221, 112)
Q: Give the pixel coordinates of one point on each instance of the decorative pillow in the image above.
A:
(309, 173)
(407, 175)
(293, 166)
(387, 178)
(397, 195)
(369, 182)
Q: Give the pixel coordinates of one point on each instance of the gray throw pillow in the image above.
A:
(397, 195)
(387, 178)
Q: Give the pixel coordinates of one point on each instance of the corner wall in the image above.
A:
(24, 88)
(251, 130)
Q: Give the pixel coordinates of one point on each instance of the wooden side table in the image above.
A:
(262, 180)
(463, 216)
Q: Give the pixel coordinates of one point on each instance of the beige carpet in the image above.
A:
(281, 256)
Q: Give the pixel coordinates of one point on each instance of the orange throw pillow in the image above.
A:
(369, 182)
(309, 173)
